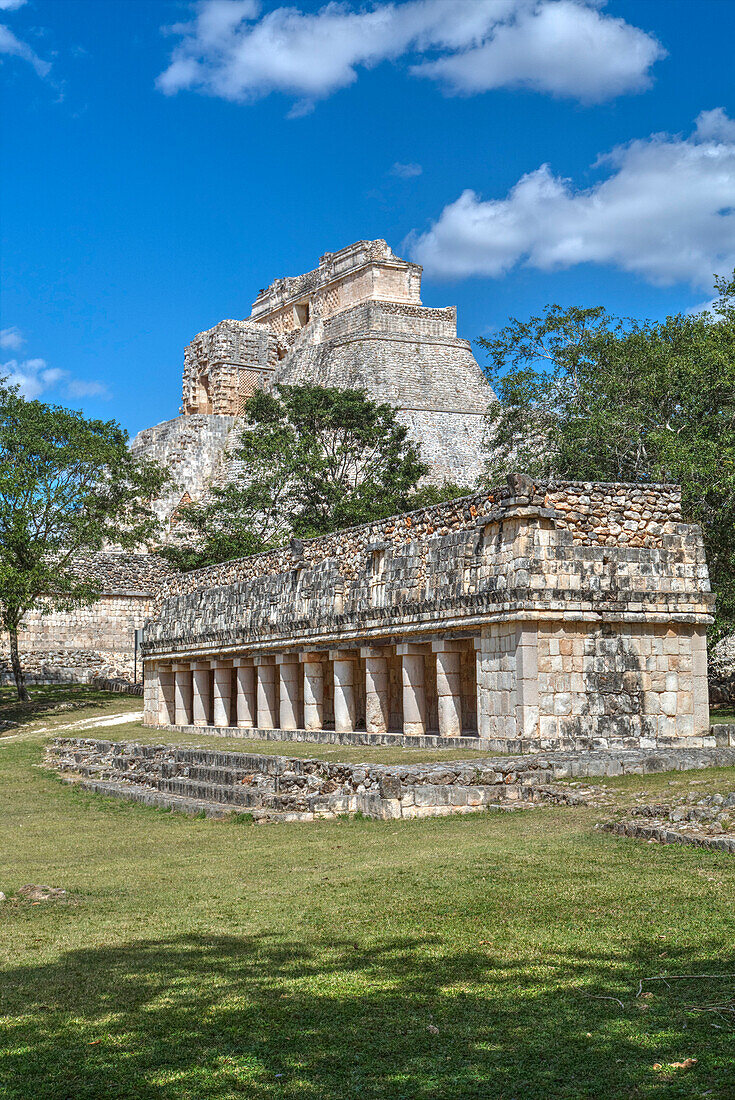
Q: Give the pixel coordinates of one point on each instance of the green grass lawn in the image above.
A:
(59, 705)
(482, 956)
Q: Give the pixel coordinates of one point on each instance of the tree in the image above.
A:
(312, 459)
(67, 486)
(586, 396)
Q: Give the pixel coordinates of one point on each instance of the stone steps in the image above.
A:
(665, 835)
(279, 788)
(274, 788)
(227, 792)
(166, 800)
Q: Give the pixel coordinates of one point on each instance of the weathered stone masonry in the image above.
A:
(95, 640)
(530, 617)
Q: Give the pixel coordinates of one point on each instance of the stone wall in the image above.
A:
(582, 608)
(193, 450)
(594, 515)
(396, 318)
(94, 640)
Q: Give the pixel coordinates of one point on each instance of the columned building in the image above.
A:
(534, 616)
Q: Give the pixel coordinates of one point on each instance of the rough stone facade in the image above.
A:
(532, 617)
(225, 366)
(97, 639)
(193, 449)
(355, 322)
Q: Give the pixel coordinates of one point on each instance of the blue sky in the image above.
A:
(163, 161)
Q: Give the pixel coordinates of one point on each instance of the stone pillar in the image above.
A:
(313, 690)
(414, 689)
(700, 687)
(289, 675)
(166, 701)
(267, 693)
(246, 705)
(377, 698)
(449, 687)
(527, 704)
(222, 694)
(484, 726)
(183, 695)
(151, 695)
(200, 684)
(345, 702)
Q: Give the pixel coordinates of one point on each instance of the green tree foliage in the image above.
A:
(67, 486)
(313, 459)
(590, 397)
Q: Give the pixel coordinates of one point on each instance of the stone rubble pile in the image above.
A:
(701, 820)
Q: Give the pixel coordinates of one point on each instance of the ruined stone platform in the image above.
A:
(282, 788)
(718, 736)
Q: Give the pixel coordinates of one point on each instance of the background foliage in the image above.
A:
(313, 459)
(591, 397)
(67, 486)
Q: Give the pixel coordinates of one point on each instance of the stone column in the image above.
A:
(289, 674)
(488, 699)
(377, 698)
(700, 687)
(222, 694)
(166, 701)
(345, 703)
(267, 693)
(247, 698)
(449, 687)
(414, 689)
(527, 703)
(151, 695)
(313, 690)
(183, 695)
(200, 685)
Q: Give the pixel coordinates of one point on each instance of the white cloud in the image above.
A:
(561, 47)
(664, 211)
(77, 387)
(565, 48)
(703, 307)
(406, 171)
(12, 46)
(716, 126)
(11, 339)
(34, 378)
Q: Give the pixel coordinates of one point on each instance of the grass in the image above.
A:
(490, 956)
(59, 705)
(722, 714)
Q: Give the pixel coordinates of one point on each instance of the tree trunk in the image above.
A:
(20, 681)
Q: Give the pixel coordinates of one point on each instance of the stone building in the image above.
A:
(533, 616)
(355, 321)
(96, 639)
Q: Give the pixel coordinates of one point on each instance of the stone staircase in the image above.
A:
(280, 788)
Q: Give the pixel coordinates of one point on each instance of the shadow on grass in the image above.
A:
(222, 1017)
(49, 700)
